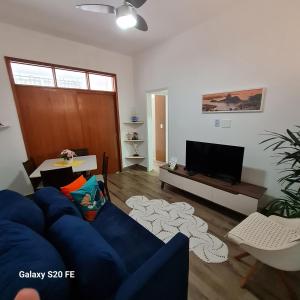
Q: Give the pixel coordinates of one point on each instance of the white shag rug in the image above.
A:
(165, 220)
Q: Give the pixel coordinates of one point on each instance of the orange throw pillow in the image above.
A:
(73, 186)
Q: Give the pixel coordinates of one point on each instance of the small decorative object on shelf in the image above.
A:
(172, 163)
(135, 146)
(67, 155)
(135, 136)
(129, 136)
(134, 117)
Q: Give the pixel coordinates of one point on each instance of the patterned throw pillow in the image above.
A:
(73, 186)
(89, 199)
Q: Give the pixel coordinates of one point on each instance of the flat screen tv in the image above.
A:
(215, 160)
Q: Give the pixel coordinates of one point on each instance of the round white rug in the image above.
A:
(165, 220)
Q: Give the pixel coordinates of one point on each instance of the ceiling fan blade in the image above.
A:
(97, 8)
(136, 3)
(141, 24)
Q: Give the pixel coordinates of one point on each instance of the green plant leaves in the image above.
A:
(287, 148)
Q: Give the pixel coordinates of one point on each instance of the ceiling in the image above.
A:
(166, 18)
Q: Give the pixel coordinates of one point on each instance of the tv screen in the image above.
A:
(215, 160)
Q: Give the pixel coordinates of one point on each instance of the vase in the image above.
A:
(68, 161)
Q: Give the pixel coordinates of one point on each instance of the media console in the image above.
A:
(242, 197)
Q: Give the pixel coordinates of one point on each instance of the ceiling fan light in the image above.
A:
(126, 17)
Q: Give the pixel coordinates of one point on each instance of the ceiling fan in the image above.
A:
(126, 14)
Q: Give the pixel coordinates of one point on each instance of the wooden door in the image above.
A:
(98, 115)
(160, 127)
(55, 119)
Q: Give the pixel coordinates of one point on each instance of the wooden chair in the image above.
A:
(57, 177)
(30, 167)
(81, 151)
(103, 176)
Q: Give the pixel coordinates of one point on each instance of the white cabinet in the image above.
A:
(236, 201)
(240, 203)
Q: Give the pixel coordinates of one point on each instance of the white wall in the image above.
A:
(255, 44)
(20, 43)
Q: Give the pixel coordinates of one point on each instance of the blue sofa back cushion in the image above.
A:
(20, 209)
(55, 204)
(21, 249)
(134, 244)
(98, 268)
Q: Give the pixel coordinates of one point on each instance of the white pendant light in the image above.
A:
(126, 17)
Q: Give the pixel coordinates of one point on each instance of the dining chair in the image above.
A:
(57, 177)
(81, 151)
(103, 176)
(30, 167)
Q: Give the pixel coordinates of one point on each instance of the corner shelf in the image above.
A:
(133, 126)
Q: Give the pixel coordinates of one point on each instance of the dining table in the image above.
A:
(79, 164)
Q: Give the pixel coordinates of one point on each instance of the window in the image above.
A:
(42, 74)
(71, 79)
(101, 82)
(32, 75)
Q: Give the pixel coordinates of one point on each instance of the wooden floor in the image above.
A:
(206, 281)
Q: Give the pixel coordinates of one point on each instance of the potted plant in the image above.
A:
(287, 149)
(67, 155)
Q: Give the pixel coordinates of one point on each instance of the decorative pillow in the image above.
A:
(17, 208)
(89, 199)
(73, 186)
(99, 269)
(23, 251)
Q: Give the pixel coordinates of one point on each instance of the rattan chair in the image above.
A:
(274, 241)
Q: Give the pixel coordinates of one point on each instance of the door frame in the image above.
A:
(150, 134)
(9, 59)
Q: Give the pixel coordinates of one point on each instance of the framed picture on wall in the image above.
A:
(235, 101)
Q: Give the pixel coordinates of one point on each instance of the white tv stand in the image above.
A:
(242, 197)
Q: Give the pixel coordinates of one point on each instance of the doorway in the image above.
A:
(157, 120)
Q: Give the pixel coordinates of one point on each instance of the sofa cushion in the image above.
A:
(73, 186)
(20, 209)
(21, 251)
(131, 241)
(54, 204)
(89, 199)
(99, 270)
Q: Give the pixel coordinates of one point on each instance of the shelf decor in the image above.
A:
(134, 117)
(133, 138)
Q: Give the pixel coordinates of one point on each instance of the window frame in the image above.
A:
(10, 60)
(32, 65)
(94, 73)
(64, 69)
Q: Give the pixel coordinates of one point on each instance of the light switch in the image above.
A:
(217, 123)
(226, 123)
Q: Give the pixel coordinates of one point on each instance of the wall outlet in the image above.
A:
(217, 123)
(226, 123)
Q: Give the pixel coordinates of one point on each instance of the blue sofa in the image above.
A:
(113, 257)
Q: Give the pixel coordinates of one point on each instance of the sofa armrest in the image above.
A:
(163, 276)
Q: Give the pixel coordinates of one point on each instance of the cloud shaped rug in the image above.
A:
(165, 220)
